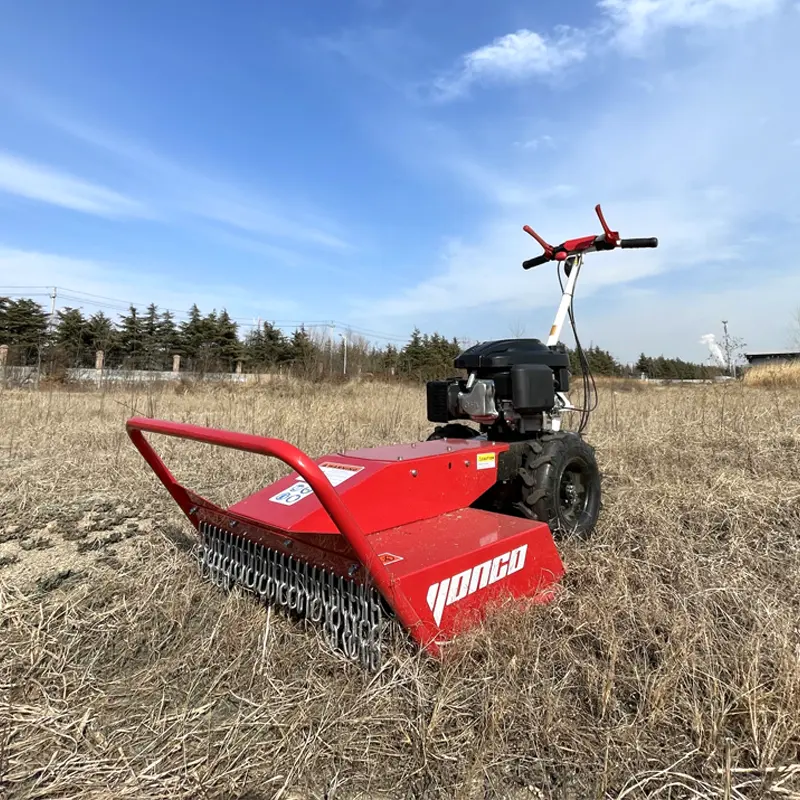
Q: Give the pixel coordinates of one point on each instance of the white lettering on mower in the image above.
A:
(451, 590)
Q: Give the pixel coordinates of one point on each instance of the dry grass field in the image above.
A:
(668, 666)
(774, 375)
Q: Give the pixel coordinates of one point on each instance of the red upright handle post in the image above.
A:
(295, 458)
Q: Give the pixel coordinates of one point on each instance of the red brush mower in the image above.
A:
(430, 534)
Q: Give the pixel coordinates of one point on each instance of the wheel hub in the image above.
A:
(573, 492)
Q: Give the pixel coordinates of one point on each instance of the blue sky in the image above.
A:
(373, 162)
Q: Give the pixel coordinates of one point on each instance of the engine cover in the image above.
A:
(501, 355)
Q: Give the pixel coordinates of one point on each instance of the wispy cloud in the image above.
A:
(516, 56)
(536, 142)
(98, 280)
(179, 190)
(634, 21)
(46, 184)
(195, 192)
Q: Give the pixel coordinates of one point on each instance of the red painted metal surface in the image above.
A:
(393, 486)
(455, 566)
(579, 245)
(419, 629)
(401, 512)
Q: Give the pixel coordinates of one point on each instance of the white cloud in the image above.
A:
(526, 54)
(536, 142)
(515, 56)
(45, 184)
(635, 20)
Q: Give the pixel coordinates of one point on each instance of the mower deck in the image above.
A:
(349, 536)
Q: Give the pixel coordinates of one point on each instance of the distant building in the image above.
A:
(772, 357)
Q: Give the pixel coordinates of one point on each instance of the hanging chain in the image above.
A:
(350, 613)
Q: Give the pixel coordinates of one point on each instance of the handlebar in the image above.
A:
(631, 243)
(608, 240)
(535, 262)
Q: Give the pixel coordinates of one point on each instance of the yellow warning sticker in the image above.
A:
(486, 461)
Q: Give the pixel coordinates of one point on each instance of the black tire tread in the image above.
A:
(536, 479)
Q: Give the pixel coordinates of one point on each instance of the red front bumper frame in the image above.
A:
(423, 632)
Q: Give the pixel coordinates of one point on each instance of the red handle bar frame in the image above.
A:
(608, 240)
(295, 458)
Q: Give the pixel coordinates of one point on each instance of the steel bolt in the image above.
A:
(234, 523)
(352, 569)
(287, 542)
(466, 463)
(193, 510)
(413, 473)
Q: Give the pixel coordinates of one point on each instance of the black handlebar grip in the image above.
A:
(630, 243)
(535, 262)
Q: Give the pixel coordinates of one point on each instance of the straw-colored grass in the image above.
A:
(669, 665)
(785, 374)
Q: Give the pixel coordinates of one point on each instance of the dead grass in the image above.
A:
(668, 667)
(780, 375)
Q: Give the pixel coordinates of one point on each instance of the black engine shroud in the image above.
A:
(526, 374)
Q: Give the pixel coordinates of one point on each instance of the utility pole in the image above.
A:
(344, 340)
(53, 296)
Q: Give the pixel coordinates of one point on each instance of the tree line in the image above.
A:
(213, 342)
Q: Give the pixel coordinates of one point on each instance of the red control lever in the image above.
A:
(548, 248)
(612, 237)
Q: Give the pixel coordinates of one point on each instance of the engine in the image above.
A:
(511, 385)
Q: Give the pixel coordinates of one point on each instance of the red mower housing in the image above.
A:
(392, 523)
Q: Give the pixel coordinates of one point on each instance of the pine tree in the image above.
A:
(168, 339)
(227, 339)
(389, 359)
(22, 322)
(601, 362)
(302, 348)
(208, 352)
(151, 351)
(72, 336)
(23, 326)
(132, 338)
(412, 356)
(275, 348)
(191, 334)
(101, 335)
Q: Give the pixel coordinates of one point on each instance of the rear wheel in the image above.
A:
(453, 430)
(561, 483)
